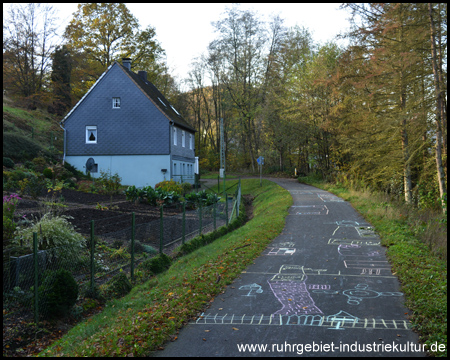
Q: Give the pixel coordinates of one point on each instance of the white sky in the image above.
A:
(184, 30)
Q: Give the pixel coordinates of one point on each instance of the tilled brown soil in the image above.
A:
(114, 215)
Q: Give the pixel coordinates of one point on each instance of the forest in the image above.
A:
(372, 113)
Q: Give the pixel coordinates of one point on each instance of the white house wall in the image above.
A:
(138, 170)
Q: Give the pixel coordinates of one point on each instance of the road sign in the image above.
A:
(260, 160)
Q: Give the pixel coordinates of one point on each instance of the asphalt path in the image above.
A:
(323, 287)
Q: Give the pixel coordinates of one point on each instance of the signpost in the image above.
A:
(222, 156)
(260, 162)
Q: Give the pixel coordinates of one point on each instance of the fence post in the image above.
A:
(214, 215)
(183, 224)
(92, 256)
(200, 217)
(132, 244)
(36, 278)
(238, 197)
(226, 207)
(161, 230)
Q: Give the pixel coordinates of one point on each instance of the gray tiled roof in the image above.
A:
(158, 99)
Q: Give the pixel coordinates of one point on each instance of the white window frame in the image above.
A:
(190, 141)
(174, 135)
(183, 138)
(90, 128)
(116, 102)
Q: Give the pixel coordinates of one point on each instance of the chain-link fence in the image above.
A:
(27, 277)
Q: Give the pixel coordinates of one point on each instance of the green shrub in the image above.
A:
(156, 265)
(140, 248)
(109, 184)
(186, 187)
(118, 286)
(56, 231)
(57, 294)
(48, 173)
(9, 163)
(170, 185)
(8, 229)
(73, 170)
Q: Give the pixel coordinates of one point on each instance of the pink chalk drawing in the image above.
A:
(290, 289)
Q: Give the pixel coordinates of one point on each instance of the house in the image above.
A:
(124, 125)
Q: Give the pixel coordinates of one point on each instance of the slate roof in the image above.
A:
(152, 93)
(158, 99)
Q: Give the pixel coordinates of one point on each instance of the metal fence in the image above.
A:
(105, 253)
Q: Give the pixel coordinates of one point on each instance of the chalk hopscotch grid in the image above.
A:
(335, 322)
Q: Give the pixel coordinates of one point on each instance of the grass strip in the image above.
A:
(151, 314)
(422, 274)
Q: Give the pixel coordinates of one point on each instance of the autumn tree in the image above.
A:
(101, 33)
(240, 47)
(27, 46)
(61, 79)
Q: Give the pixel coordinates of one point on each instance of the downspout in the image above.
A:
(64, 153)
(170, 149)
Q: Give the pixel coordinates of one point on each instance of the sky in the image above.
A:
(184, 30)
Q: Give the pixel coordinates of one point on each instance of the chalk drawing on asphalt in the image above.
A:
(362, 291)
(318, 287)
(365, 231)
(345, 241)
(252, 289)
(286, 244)
(310, 210)
(338, 321)
(281, 251)
(359, 293)
(357, 250)
(329, 197)
(368, 267)
(301, 192)
(290, 289)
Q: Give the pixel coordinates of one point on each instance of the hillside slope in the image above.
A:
(27, 133)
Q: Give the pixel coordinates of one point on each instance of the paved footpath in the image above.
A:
(323, 287)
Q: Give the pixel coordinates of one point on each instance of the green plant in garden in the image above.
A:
(170, 185)
(57, 294)
(54, 231)
(48, 173)
(132, 193)
(118, 286)
(9, 207)
(9, 163)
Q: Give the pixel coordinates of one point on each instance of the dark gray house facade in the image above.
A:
(125, 125)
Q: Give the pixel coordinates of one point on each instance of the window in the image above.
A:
(183, 138)
(190, 141)
(175, 169)
(116, 102)
(91, 134)
(174, 135)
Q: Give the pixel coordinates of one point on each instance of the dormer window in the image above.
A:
(91, 134)
(116, 102)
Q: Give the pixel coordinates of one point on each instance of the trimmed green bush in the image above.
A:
(156, 265)
(48, 173)
(9, 163)
(57, 294)
(118, 286)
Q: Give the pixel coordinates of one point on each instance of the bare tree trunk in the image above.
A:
(440, 171)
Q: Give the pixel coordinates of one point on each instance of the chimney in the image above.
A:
(126, 62)
(143, 75)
